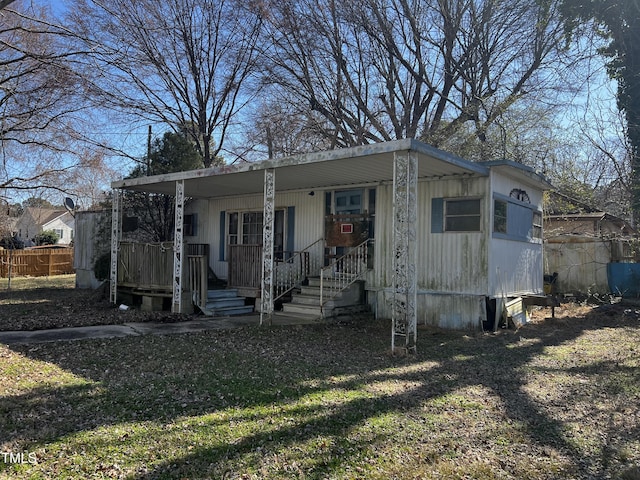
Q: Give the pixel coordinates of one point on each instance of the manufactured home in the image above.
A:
(411, 232)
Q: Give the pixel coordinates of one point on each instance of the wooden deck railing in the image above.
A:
(36, 263)
(245, 266)
(147, 266)
(198, 269)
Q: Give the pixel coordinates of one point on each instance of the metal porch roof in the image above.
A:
(348, 166)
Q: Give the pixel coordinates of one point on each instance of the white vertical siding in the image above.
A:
(448, 262)
(201, 208)
(309, 220)
(515, 267)
(452, 267)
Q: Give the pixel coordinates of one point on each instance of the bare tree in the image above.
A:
(41, 115)
(183, 63)
(377, 70)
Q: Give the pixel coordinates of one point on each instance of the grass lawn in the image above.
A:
(29, 283)
(556, 399)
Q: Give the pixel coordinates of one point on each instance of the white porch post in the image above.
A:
(176, 306)
(116, 233)
(405, 206)
(266, 301)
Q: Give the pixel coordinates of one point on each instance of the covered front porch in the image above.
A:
(268, 267)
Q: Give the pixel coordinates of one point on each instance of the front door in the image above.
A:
(348, 202)
(345, 225)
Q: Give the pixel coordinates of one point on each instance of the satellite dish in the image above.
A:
(69, 205)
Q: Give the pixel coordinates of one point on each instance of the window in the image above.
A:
(462, 215)
(245, 228)
(252, 228)
(233, 228)
(59, 232)
(190, 225)
(500, 216)
(514, 220)
(537, 225)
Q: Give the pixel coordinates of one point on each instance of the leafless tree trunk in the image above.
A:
(182, 63)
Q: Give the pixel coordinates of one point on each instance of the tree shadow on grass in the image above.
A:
(263, 401)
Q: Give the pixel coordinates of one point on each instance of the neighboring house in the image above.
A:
(36, 220)
(431, 237)
(580, 244)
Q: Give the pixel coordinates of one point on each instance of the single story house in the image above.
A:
(36, 220)
(428, 236)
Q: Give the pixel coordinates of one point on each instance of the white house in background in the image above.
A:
(430, 237)
(36, 220)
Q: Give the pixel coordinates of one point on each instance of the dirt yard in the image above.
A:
(54, 302)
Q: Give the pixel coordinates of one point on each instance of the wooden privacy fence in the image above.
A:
(36, 263)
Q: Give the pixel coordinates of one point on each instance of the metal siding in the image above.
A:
(452, 267)
(308, 219)
(447, 262)
(201, 209)
(461, 312)
(504, 184)
(87, 225)
(515, 267)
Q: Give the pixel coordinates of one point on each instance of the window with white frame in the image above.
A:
(461, 214)
(245, 228)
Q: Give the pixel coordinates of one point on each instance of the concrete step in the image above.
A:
(310, 318)
(228, 311)
(301, 299)
(216, 294)
(292, 308)
(225, 302)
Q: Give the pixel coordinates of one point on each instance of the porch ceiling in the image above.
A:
(349, 166)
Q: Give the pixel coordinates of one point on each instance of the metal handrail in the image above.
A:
(290, 273)
(344, 272)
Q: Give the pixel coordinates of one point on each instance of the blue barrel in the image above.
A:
(624, 279)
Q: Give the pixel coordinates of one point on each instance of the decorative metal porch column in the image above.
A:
(116, 235)
(176, 306)
(405, 206)
(266, 300)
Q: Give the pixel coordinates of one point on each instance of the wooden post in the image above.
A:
(9, 269)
